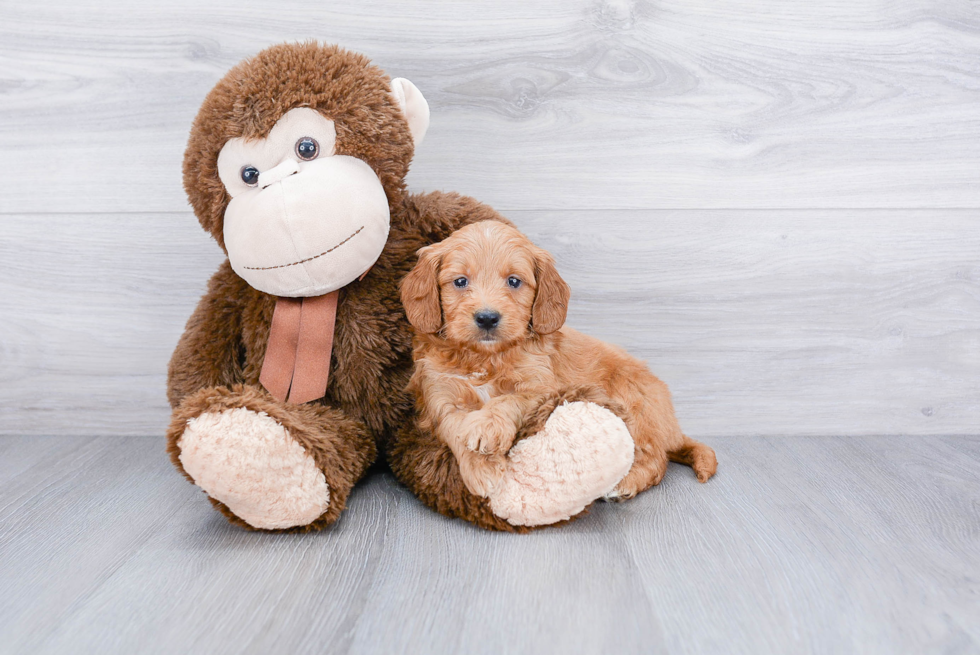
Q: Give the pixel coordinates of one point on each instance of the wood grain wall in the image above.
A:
(776, 204)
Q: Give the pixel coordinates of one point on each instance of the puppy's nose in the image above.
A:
(486, 319)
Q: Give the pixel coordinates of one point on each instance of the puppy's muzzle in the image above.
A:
(486, 319)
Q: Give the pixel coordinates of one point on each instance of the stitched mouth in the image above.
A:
(308, 259)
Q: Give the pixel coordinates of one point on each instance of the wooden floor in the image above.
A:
(799, 545)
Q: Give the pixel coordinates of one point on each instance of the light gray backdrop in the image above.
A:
(777, 208)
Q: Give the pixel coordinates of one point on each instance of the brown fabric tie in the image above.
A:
(297, 357)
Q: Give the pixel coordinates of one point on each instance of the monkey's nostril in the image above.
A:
(278, 173)
(486, 319)
(269, 182)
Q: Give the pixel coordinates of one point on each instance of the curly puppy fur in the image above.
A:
(493, 360)
(216, 365)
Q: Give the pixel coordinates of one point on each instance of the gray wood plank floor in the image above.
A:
(802, 545)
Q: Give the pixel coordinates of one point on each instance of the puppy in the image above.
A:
(492, 357)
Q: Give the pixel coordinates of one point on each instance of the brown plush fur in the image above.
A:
(492, 267)
(217, 362)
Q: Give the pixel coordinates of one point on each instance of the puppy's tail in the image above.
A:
(695, 454)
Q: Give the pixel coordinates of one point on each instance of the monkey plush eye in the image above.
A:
(307, 148)
(250, 175)
(461, 282)
(514, 282)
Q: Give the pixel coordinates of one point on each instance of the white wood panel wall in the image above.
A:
(776, 204)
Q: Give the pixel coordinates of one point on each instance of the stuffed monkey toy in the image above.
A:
(290, 377)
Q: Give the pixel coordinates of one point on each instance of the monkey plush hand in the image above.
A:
(291, 374)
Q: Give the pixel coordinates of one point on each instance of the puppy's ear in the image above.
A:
(551, 298)
(420, 292)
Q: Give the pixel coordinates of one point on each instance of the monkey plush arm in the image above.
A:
(438, 214)
(208, 352)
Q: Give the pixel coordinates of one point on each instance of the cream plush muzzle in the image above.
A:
(307, 227)
(310, 232)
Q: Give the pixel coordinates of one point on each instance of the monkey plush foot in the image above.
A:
(580, 455)
(249, 462)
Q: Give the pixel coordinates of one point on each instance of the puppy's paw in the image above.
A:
(641, 477)
(622, 492)
(488, 434)
(615, 496)
(481, 473)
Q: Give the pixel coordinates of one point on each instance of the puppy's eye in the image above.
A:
(460, 282)
(250, 175)
(514, 282)
(307, 148)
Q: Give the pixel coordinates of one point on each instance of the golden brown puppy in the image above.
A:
(488, 307)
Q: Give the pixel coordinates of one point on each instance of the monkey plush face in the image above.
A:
(310, 154)
(302, 220)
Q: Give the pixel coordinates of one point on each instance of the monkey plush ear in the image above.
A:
(420, 293)
(551, 298)
(413, 105)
